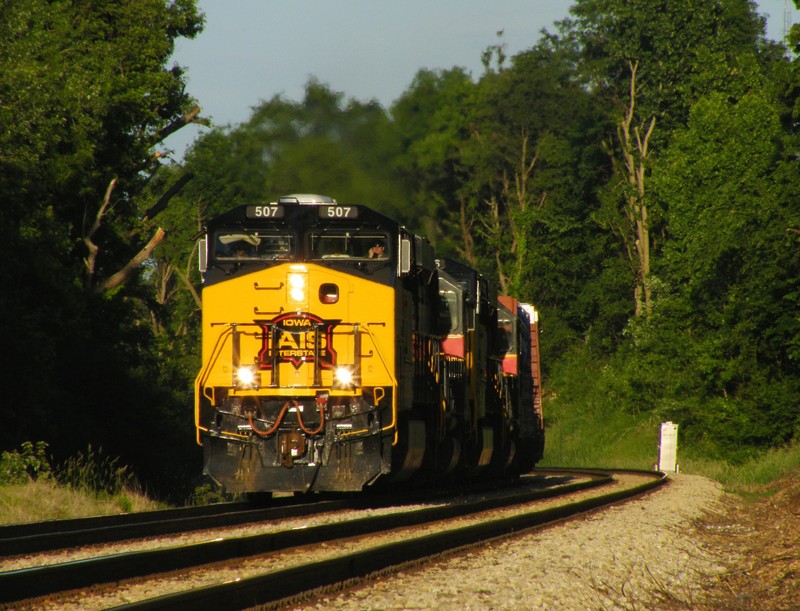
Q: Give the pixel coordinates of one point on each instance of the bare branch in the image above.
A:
(162, 202)
(466, 232)
(189, 117)
(119, 278)
(634, 150)
(90, 260)
(185, 279)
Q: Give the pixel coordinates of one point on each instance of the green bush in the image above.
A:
(29, 463)
(207, 494)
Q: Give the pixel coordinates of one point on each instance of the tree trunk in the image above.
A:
(466, 233)
(90, 260)
(635, 154)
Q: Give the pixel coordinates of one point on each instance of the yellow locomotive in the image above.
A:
(338, 351)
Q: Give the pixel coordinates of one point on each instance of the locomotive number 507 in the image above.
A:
(265, 212)
(338, 212)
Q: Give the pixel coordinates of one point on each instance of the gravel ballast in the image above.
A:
(639, 554)
(652, 552)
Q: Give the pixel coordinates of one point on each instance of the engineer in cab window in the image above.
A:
(377, 250)
(243, 250)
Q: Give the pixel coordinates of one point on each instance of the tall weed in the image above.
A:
(95, 473)
(752, 477)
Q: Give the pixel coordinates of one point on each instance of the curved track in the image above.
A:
(290, 582)
(35, 537)
(294, 584)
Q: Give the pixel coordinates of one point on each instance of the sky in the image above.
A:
(253, 50)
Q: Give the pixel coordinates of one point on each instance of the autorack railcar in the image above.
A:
(337, 352)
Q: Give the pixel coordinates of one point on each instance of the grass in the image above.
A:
(90, 484)
(751, 479)
(588, 436)
(592, 436)
(41, 500)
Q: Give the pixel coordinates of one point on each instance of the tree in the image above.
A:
(432, 118)
(521, 131)
(648, 63)
(681, 50)
(86, 94)
(729, 283)
(325, 143)
(502, 169)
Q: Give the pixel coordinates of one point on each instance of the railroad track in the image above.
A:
(37, 537)
(31, 538)
(346, 562)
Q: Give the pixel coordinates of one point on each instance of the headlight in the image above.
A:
(297, 286)
(343, 376)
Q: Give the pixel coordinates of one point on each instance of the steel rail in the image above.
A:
(289, 585)
(40, 581)
(35, 537)
(58, 534)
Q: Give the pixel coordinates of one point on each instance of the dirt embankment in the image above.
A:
(765, 536)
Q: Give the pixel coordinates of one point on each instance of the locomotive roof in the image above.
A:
(304, 209)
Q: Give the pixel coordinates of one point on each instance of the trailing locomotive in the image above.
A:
(338, 351)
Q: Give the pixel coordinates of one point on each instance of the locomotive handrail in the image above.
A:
(205, 372)
(199, 381)
(379, 351)
(357, 328)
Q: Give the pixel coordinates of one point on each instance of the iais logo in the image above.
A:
(297, 338)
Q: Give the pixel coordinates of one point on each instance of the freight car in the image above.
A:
(338, 351)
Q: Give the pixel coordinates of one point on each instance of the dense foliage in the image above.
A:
(86, 92)
(634, 173)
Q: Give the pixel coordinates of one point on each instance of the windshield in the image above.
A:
(260, 245)
(450, 304)
(348, 245)
(506, 337)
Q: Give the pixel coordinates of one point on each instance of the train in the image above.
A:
(339, 354)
